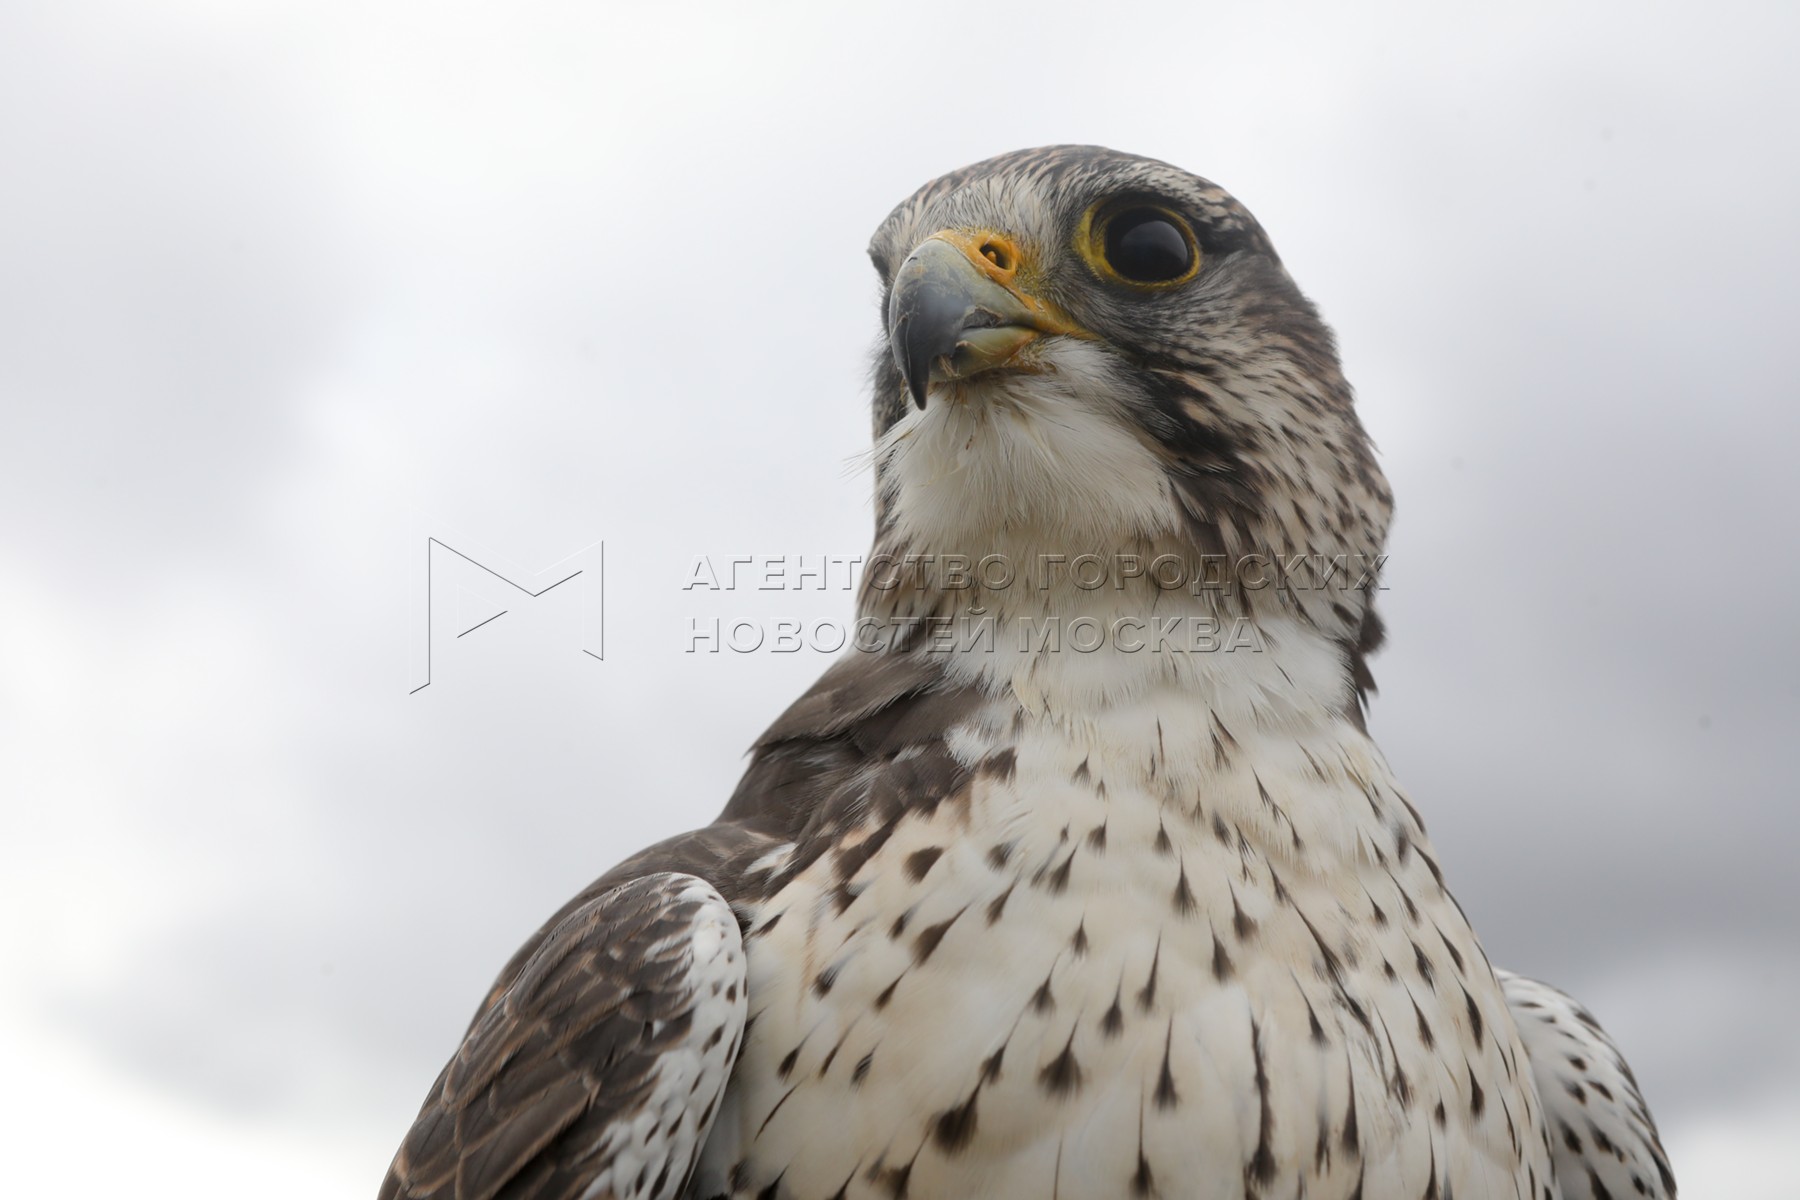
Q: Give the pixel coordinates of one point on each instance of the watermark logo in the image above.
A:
(1081, 603)
(453, 575)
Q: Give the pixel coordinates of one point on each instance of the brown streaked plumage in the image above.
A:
(1022, 917)
(540, 1098)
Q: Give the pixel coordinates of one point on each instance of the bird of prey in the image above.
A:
(1078, 876)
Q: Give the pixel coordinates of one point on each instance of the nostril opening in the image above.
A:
(997, 254)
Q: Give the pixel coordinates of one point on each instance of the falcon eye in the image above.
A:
(1144, 245)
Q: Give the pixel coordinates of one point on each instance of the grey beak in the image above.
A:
(948, 318)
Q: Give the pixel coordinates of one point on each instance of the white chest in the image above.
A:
(1148, 956)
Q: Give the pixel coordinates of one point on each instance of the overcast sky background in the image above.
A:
(286, 288)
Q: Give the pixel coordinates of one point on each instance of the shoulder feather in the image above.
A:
(1602, 1136)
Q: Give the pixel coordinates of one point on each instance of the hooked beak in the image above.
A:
(956, 310)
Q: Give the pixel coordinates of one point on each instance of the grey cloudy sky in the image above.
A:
(287, 287)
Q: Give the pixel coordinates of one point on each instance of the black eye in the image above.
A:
(1145, 245)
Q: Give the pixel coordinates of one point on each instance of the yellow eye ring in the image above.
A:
(1138, 243)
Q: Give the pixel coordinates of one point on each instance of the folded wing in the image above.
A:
(1602, 1137)
(599, 1067)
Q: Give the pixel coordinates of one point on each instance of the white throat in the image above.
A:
(1049, 456)
(1025, 517)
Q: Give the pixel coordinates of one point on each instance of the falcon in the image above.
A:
(1078, 876)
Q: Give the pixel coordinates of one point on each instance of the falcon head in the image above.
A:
(1089, 351)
